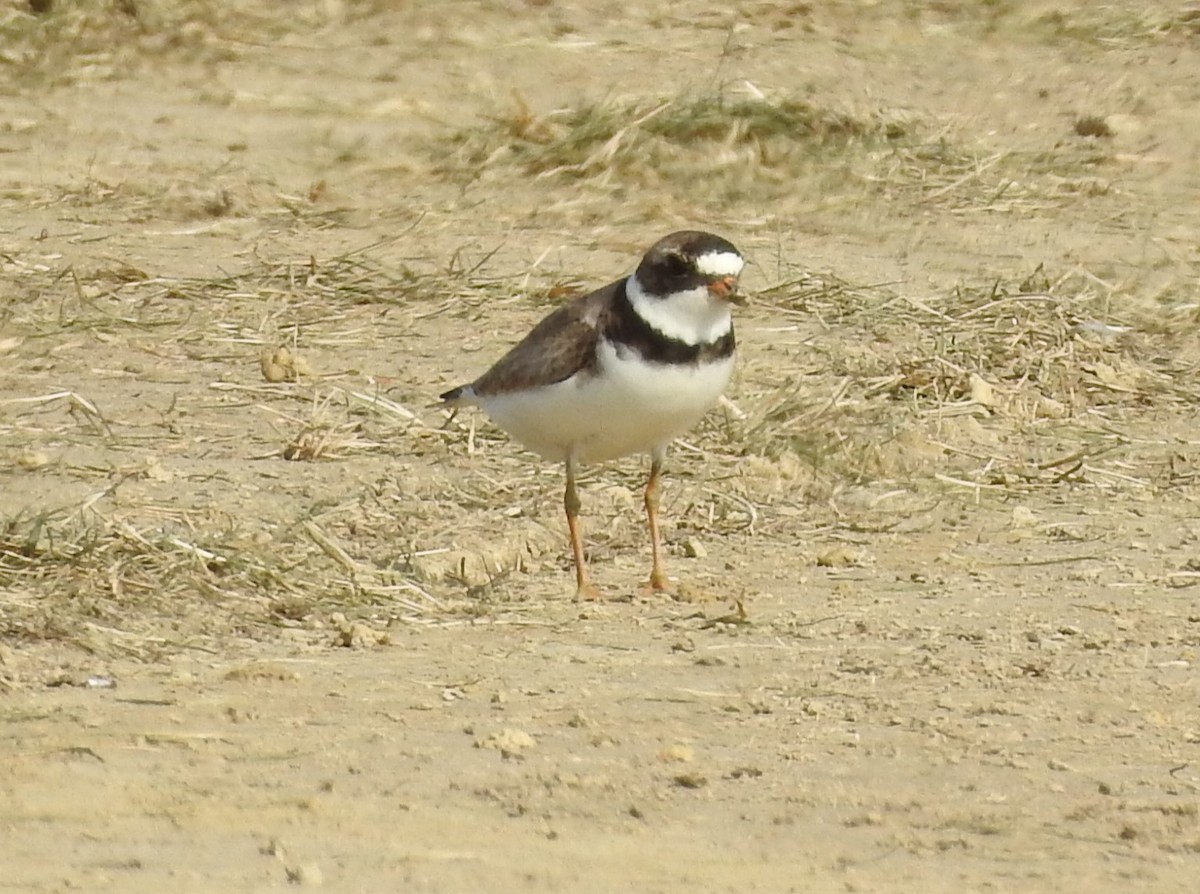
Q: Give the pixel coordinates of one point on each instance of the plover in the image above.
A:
(624, 369)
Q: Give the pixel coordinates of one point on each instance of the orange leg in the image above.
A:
(658, 574)
(584, 588)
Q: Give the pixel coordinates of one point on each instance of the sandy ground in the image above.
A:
(937, 624)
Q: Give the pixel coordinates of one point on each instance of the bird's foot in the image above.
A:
(658, 583)
(587, 591)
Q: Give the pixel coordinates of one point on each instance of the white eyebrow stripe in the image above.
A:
(720, 263)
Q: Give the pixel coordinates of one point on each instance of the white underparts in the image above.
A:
(627, 405)
(694, 317)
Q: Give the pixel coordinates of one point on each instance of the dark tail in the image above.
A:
(452, 396)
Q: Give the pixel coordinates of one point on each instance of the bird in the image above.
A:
(621, 370)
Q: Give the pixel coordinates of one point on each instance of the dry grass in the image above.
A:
(986, 391)
(184, 581)
(63, 43)
(1113, 24)
(745, 149)
(56, 43)
(127, 567)
(184, 501)
(1010, 384)
(960, 177)
(1104, 25)
(740, 144)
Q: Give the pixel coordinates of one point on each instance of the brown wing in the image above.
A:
(558, 347)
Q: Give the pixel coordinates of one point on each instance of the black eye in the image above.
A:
(676, 265)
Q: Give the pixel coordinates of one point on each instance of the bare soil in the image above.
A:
(270, 617)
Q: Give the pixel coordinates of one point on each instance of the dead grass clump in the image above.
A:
(70, 577)
(1026, 381)
(346, 280)
(110, 586)
(254, 307)
(1060, 339)
(665, 139)
(153, 560)
(328, 432)
(1113, 24)
(958, 177)
(1102, 24)
(63, 43)
(228, 192)
(1093, 126)
(289, 321)
(749, 147)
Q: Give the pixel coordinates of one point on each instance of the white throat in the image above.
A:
(694, 317)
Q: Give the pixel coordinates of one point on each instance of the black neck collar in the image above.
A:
(627, 329)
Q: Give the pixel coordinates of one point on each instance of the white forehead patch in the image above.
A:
(720, 263)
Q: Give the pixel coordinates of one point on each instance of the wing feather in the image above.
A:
(561, 345)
